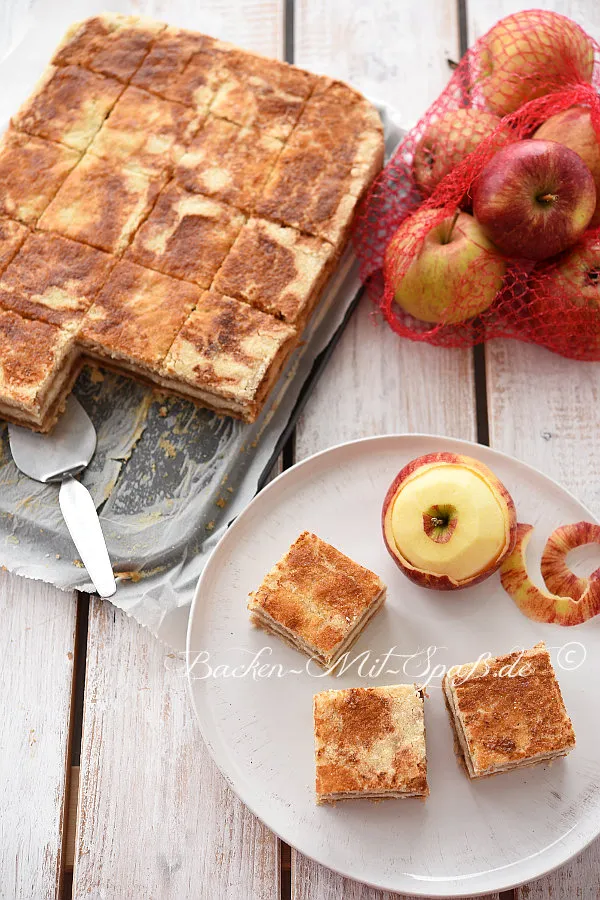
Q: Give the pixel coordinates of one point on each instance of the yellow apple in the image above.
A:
(574, 128)
(530, 54)
(449, 140)
(455, 271)
(541, 605)
(447, 521)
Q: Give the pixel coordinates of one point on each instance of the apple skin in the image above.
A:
(574, 129)
(534, 199)
(432, 580)
(444, 282)
(555, 572)
(449, 140)
(541, 605)
(530, 54)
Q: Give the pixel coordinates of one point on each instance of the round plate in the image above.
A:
(253, 694)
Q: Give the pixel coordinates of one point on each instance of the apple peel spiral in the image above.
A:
(569, 600)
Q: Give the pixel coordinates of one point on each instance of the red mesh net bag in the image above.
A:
(473, 230)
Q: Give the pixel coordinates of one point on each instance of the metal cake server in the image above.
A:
(59, 456)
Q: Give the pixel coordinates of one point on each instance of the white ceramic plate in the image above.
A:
(467, 838)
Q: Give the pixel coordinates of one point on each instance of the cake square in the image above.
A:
(263, 93)
(228, 356)
(228, 162)
(277, 269)
(100, 205)
(111, 44)
(31, 172)
(508, 712)
(317, 599)
(334, 152)
(370, 744)
(186, 235)
(12, 236)
(68, 106)
(38, 366)
(136, 316)
(167, 60)
(145, 133)
(54, 279)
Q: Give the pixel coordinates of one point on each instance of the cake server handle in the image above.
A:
(82, 520)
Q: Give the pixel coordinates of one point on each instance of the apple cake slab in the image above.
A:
(173, 208)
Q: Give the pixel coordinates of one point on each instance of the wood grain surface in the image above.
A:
(37, 646)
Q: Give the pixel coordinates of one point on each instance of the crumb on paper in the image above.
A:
(169, 447)
(210, 526)
(13, 539)
(220, 502)
(96, 375)
(57, 556)
(139, 574)
(230, 489)
(78, 563)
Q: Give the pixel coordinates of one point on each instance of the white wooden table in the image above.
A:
(106, 789)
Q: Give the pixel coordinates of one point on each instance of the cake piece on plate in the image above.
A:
(316, 599)
(508, 712)
(370, 744)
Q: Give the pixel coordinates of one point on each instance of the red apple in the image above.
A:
(454, 272)
(448, 522)
(530, 54)
(574, 128)
(449, 140)
(574, 279)
(534, 199)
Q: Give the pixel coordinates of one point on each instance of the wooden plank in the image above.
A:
(376, 382)
(37, 649)
(544, 410)
(156, 819)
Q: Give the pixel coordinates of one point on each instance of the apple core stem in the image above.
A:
(548, 198)
(451, 228)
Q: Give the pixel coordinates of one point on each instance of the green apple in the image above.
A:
(447, 141)
(530, 54)
(454, 272)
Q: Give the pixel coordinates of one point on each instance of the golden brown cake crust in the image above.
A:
(54, 279)
(110, 44)
(31, 172)
(138, 313)
(100, 205)
(277, 269)
(506, 718)
(317, 595)
(150, 146)
(370, 741)
(69, 106)
(186, 235)
(229, 163)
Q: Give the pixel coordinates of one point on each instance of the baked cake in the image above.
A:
(370, 744)
(173, 207)
(317, 599)
(508, 712)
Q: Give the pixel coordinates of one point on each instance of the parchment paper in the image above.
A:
(167, 477)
